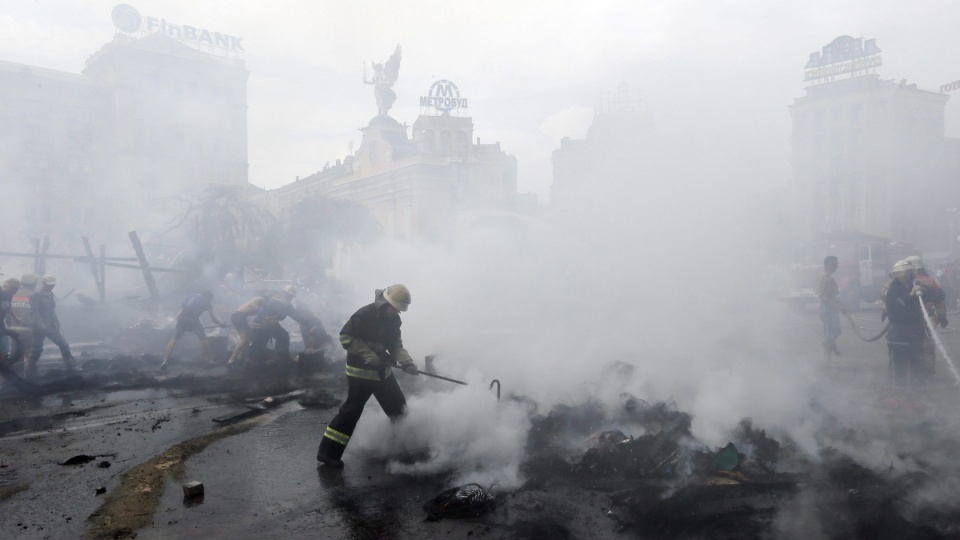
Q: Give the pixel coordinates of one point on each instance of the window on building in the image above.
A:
(445, 141)
(430, 139)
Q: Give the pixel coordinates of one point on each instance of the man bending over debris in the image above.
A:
(266, 325)
(188, 320)
(240, 322)
(372, 340)
(46, 324)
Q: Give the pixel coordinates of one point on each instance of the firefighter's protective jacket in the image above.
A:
(43, 308)
(906, 316)
(372, 340)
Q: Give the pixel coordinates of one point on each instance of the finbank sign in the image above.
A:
(128, 20)
(443, 96)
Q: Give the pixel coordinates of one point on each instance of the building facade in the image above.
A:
(613, 157)
(419, 186)
(149, 119)
(870, 156)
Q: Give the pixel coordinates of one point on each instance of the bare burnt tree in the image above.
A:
(314, 227)
(231, 233)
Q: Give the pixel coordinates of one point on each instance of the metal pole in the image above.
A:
(434, 375)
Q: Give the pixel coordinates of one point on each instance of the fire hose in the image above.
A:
(857, 329)
(936, 338)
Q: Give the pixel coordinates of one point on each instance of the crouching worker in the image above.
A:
(242, 324)
(372, 340)
(266, 326)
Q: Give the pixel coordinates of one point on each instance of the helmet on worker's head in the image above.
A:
(901, 268)
(49, 280)
(397, 296)
(29, 280)
(290, 289)
(916, 261)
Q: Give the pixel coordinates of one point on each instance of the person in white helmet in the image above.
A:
(46, 324)
(373, 343)
(907, 327)
(935, 303)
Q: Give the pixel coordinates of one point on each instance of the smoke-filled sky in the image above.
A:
(661, 268)
(719, 72)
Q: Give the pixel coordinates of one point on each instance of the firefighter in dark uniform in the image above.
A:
(907, 326)
(372, 340)
(46, 324)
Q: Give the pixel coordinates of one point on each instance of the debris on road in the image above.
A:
(469, 500)
(193, 489)
(79, 460)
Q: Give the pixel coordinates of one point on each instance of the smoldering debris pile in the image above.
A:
(663, 483)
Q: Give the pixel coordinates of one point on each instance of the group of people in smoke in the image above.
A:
(910, 291)
(371, 337)
(32, 314)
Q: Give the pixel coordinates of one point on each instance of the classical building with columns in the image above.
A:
(421, 183)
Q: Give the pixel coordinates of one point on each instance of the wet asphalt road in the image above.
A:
(265, 483)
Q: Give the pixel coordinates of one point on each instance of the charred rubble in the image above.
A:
(661, 482)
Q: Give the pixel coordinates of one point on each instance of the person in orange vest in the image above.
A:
(22, 320)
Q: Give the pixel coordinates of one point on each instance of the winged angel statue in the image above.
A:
(384, 75)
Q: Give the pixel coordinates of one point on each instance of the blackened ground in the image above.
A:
(262, 481)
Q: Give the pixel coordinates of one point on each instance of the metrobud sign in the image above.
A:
(443, 96)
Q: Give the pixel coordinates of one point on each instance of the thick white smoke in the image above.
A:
(659, 274)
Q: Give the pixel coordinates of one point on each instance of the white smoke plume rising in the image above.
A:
(662, 278)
